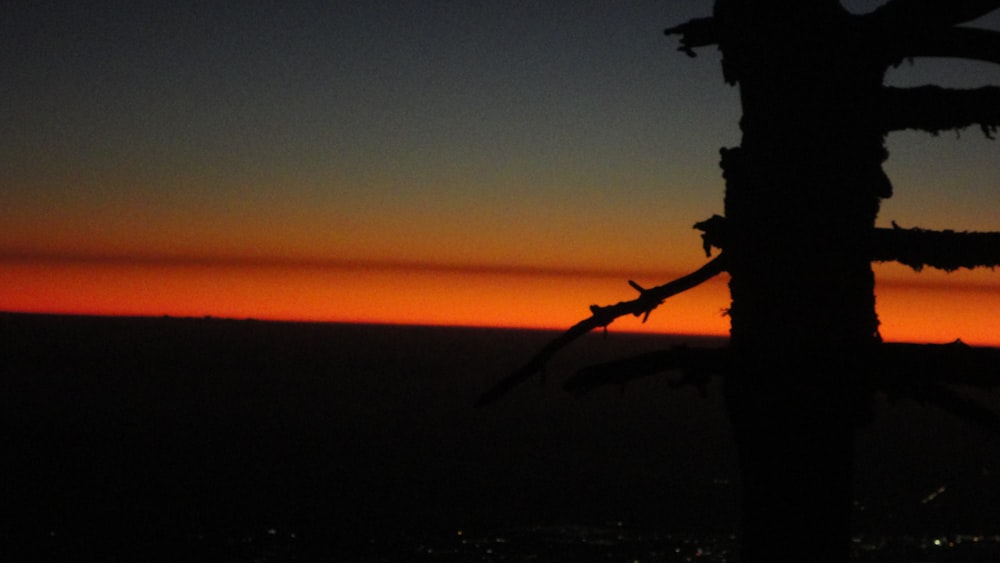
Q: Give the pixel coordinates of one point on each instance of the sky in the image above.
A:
(494, 163)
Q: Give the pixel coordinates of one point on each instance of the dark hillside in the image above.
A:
(154, 427)
(124, 432)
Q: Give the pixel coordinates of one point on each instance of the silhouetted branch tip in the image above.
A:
(601, 317)
(699, 32)
(713, 233)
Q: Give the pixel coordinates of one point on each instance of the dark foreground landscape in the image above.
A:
(162, 439)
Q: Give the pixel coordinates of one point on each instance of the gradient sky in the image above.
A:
(501, 163)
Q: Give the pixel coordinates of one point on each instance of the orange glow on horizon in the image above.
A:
(939, 315)
(391, 295)
(937, 312)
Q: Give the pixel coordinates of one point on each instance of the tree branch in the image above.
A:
(954, 42)
(922, 372)
(944, 250)
(962, 407)
(915, 16)
(901, 366)
(699, 32)
(935, 109)
(902, 369)
(917, 248)
(938, 41)
(697, 365)
(648, 300)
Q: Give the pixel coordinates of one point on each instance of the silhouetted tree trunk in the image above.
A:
(802, 194)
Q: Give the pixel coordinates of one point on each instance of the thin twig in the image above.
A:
(648, 300)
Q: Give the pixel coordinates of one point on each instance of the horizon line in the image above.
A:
(374, 323)
(386, 324)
